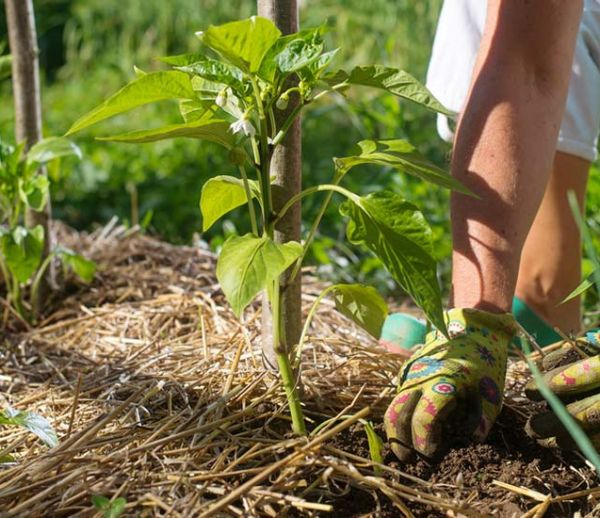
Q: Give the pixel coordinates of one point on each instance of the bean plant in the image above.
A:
(22, 262)
(231, 93)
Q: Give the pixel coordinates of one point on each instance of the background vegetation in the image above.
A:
(89, 48)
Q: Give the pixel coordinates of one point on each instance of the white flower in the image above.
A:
(243, 125)
(221, 99)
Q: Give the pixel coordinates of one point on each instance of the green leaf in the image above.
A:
(34, 191)
(153, 87)
(33, 422)
(181, 60)
(585, 285)
(22, 250)
(100, 502)
(392, 80)
(291, 53)
(5, 459)
(116, 508)
(213, 130)
(82, 267)
(221, 195)
(402, 156)
(195, 110)
(242, 43)
(397, 233)
(52, 148)
(248, 264)
(314, 70)
(362, 304)
(216, 71)
(376, 445)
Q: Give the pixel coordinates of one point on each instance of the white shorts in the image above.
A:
(459, 32)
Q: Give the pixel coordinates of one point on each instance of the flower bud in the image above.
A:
(282, 102)
(221, 99)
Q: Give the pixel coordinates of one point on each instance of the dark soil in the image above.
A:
(467, 472)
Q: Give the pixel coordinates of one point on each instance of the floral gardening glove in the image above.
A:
(446, 378)
(574, 380)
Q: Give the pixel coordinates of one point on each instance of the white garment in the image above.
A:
(457, 38)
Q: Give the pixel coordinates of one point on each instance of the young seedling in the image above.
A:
(33, 422)
(21, 247)
(229, 94)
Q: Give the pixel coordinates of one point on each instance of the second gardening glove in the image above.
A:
(463, 376)
(576, 381)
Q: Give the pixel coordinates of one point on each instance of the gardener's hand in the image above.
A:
(575, 380)
(451, 387)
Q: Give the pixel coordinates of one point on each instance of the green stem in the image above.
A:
(6, 276)
(307, 322)
(285, 368)
(308, 192)
(332, 89)
(287, 124)
(272, 120)
(265, 179)
(35, 285)
(313, 229)
(253, 223)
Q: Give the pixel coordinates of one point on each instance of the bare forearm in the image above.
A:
(506, 140)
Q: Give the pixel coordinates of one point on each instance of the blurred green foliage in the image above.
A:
(88, 50)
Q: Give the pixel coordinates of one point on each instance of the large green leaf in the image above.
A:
(362, 304)
(397, 233)
(248, 264)
(221, 195)
(153, 87)
(400, 155)
(291, 53)
(392, 80)
(34, 191)
(52, 148)
(216, 71)
(82, 267)
(213, 130)
(242, 43)
(22, 250)
(33, 422)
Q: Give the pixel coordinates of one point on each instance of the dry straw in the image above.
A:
(160, 396)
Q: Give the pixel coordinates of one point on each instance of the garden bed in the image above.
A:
(159, 395)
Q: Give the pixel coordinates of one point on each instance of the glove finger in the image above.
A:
(569, 380)
(547, 424)
(490, 401)
(559, 358)
(397, 423)
(431, 412)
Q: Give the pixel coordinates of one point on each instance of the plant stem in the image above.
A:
(312, 190)
(307, 322)
(314, 227)
(287, 124)
(265, 179)
(285, 368)
(253, 223)
(6, 276)
(35, 285)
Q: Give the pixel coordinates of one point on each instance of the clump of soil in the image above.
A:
(509, 456)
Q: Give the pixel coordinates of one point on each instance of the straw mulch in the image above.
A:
(159, 395)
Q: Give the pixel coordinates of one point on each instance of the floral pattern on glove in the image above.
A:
(464, 372)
